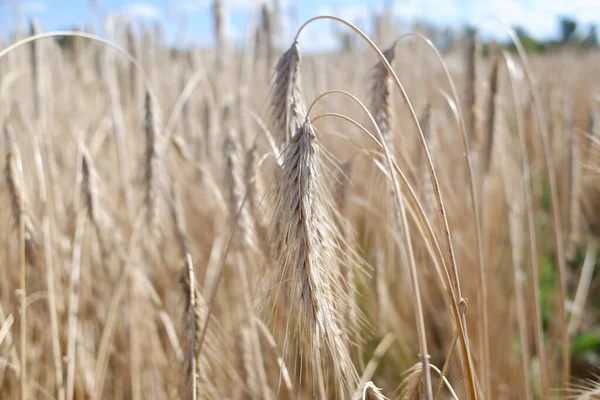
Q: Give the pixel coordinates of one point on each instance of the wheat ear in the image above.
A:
(287, 105)
(471, 61)
(368, 391)
(18, 198)
(382, 84)
(151, 163)
(307, 251)
(490, 118)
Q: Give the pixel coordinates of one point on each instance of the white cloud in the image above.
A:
(351, 13)
(192, 5)
(442, 11)
(33, 7)
(141, 10)
(230, 5)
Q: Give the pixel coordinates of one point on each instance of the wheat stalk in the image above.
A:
(516, 209)
(15, 183)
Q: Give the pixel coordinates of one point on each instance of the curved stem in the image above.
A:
(468, 364)
(419, 315)
(554, 200)
(533, 250)
(89, 36)
(395, 165)
(457, 304)
(476, 213)
(184, 96)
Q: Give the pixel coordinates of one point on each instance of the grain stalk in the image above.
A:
(531, 225)
(556, 218)
(516, 234)
(49, 267)
(16, 189)
(74, 283)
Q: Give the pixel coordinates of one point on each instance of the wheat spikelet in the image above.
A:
(178, 216)
(193, 323)
(132, 48)
(151, 163)
(19, 201)
(253, 182)
(382, 85)
(207, 120)
(35, 67)
(306, 255)
(91, 202)
(218, 10)
(249, 364)
(428, 127)
(471, 61)
(575, 215)
(15, 183)
(368, 391)
(267, 37)
(488, 140)
(412, 387)
(287, 105)
(235, 189)
(199, 367)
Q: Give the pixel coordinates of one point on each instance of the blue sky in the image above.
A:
(188, 21)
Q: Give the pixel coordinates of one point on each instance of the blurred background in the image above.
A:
(189, 22)
(84, 118)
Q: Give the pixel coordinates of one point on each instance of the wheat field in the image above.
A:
(257, 222)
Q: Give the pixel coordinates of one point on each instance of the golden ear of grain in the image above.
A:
(412, 384)
(306, 252)
(382, 85)
(428, 126)
(471, 61)
(287, 104)
(151, 163)
(488, 140)
(575, 216)
(218, 10)
(235, 189)
(34, 29)
(267, 35)
(368, 391)
(198, 366)
(254, 185)
(132, 48)
(108, 236)
(19, 201)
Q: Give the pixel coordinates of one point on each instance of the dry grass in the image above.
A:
(176, 227)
